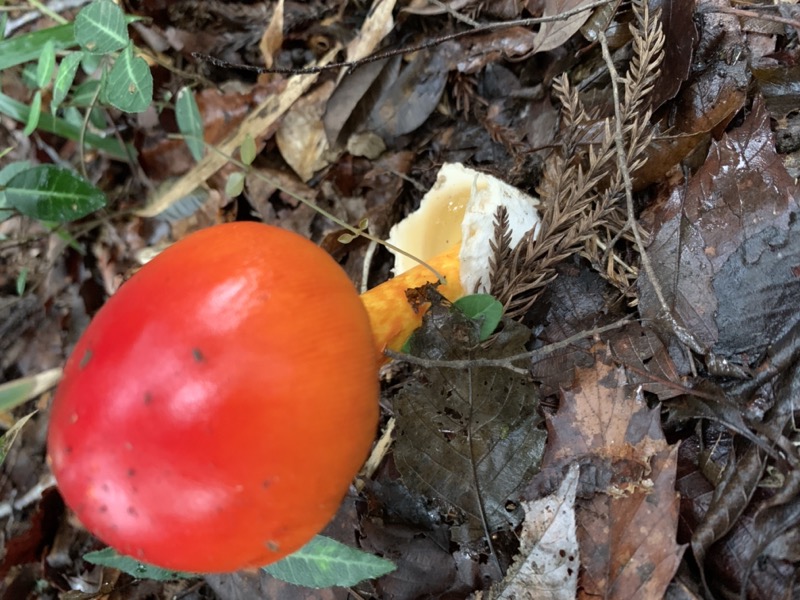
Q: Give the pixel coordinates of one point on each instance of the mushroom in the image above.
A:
(218, 406)
(452, 231)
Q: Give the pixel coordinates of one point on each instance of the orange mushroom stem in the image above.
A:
(392, 317)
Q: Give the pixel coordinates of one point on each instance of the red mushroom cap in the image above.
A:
(214, 413)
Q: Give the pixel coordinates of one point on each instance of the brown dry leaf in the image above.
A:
(301, 135)
(555, 33)
(647, 360)
(163, 157)
(725, 246)
(577, 300)
(680, 33)
(628, 543)
(628, 512)
(272, 39)
(479, 50)
(547, 565)
(715, 91)
(376, 27)
(413, 95)
(468, 437)
(355, 97)
(259, 121)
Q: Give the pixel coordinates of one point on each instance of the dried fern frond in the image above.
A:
(582, 185)
(500, 244)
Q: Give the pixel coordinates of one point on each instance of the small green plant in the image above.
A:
(97, 43)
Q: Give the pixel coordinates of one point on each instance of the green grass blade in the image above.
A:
(27, 47)
(47, 122)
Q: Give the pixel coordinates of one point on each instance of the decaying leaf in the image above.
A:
(726, 246)
(553, 34)
(628, 510)
(468, 438)
(272, 38)
(547, 565)
(301, 136)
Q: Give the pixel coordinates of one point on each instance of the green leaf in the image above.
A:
(189, 122)
(323, 563)
(129, 85)
(8, 438)
(19, 391)
(23, 48)
(108, 557)
(91, 62)
(100, 27)
(51, 124)
(235, 184)
(51, 193)
(248, 150)
(22, 280)
(64, 78)
(3, 23)
(34, 114)
(46, 64)
(483, 308)
(6, 173)
(85, 94)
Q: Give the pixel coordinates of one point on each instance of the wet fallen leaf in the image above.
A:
(725, 248)
(468, 437)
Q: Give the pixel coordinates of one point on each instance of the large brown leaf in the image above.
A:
(627, 511)
(726, 246)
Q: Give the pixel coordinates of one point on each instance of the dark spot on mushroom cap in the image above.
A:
(273, 546)
(87, 356)
(198, 355)
(132, 511)
(148, 398)
(67, 449)
(131, 472)
(103, 508)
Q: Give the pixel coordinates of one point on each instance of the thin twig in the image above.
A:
(683, 334)
(350, 65)
(749, 14)
(508, 361)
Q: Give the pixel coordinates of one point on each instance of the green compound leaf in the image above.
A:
(483, 308)
(108, 557)
(189, 122)
(50, 193)
(100, 27)
(64, 78)
(323, 563)
(129, 85)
